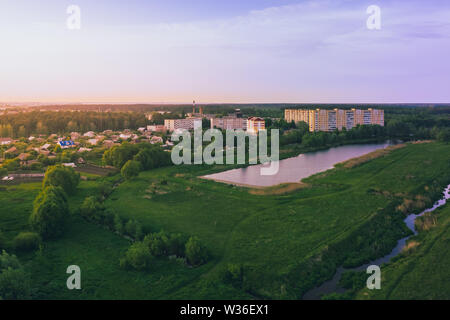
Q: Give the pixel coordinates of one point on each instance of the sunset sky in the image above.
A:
(175, 51)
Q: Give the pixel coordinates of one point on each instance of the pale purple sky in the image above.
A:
(225, 51)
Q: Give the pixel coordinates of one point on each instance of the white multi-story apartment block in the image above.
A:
(187, 124)
(255, 124)
(330, 120)
(229, 123)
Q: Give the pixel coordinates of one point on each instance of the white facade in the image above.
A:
(187, 124)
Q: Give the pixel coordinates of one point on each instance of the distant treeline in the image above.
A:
(47, 122)
(416, 119)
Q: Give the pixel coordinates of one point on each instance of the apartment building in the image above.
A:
(330, 120)
(255, 124)
(229, 123)
(187, 124)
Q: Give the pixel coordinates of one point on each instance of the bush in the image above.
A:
(60, 176)
(14, 285)
(8, 261)
(2, 241)
(134, 229)
(131, 169)
(13, 280)
(91, 209)
(49, 212)
(118, 224)
(156, 243)
(234, 275)
(105, 188)
(36, 166)
(27, 241)
(12, 164)
(196, 253)
(176, 245)
(137, 257)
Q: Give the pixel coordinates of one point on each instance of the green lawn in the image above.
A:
(269, 234)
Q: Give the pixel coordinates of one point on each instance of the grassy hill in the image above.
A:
(286, 242)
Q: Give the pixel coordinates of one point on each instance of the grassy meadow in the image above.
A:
(270, 233)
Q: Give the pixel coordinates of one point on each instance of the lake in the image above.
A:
(296, 168)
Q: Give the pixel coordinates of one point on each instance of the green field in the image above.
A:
(272, 236)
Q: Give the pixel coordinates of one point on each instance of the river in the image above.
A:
(332, 285)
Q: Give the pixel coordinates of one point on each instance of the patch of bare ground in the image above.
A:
(426, 222)
(409, 204)
(370, 156)
(410, 246)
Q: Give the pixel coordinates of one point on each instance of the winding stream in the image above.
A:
(332, 285)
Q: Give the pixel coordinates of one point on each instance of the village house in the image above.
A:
(11, 150)
(71, 165)
(23, 156)
(82, 149)
(156, 128)
(125, 136)
(156, 139)
(46, 146)
(109, 143)
(74, 135)
(5, 141)
(64, 144)
(93, 141)
(89, 134)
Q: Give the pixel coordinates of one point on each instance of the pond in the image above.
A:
(296, 168)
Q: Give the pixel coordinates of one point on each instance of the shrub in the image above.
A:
(176, 245)
(196, 253)
(49, 212)
(105, 188)
(156, 243)
(234, 275)
(130, 169)
(12, 164)
(2, 241)
(36, 166)
(118, 224)
(27, 241)
(8, 261)
(60, 176)
(14, 285)
(91, 209)
(134, 229)
(137, 257)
